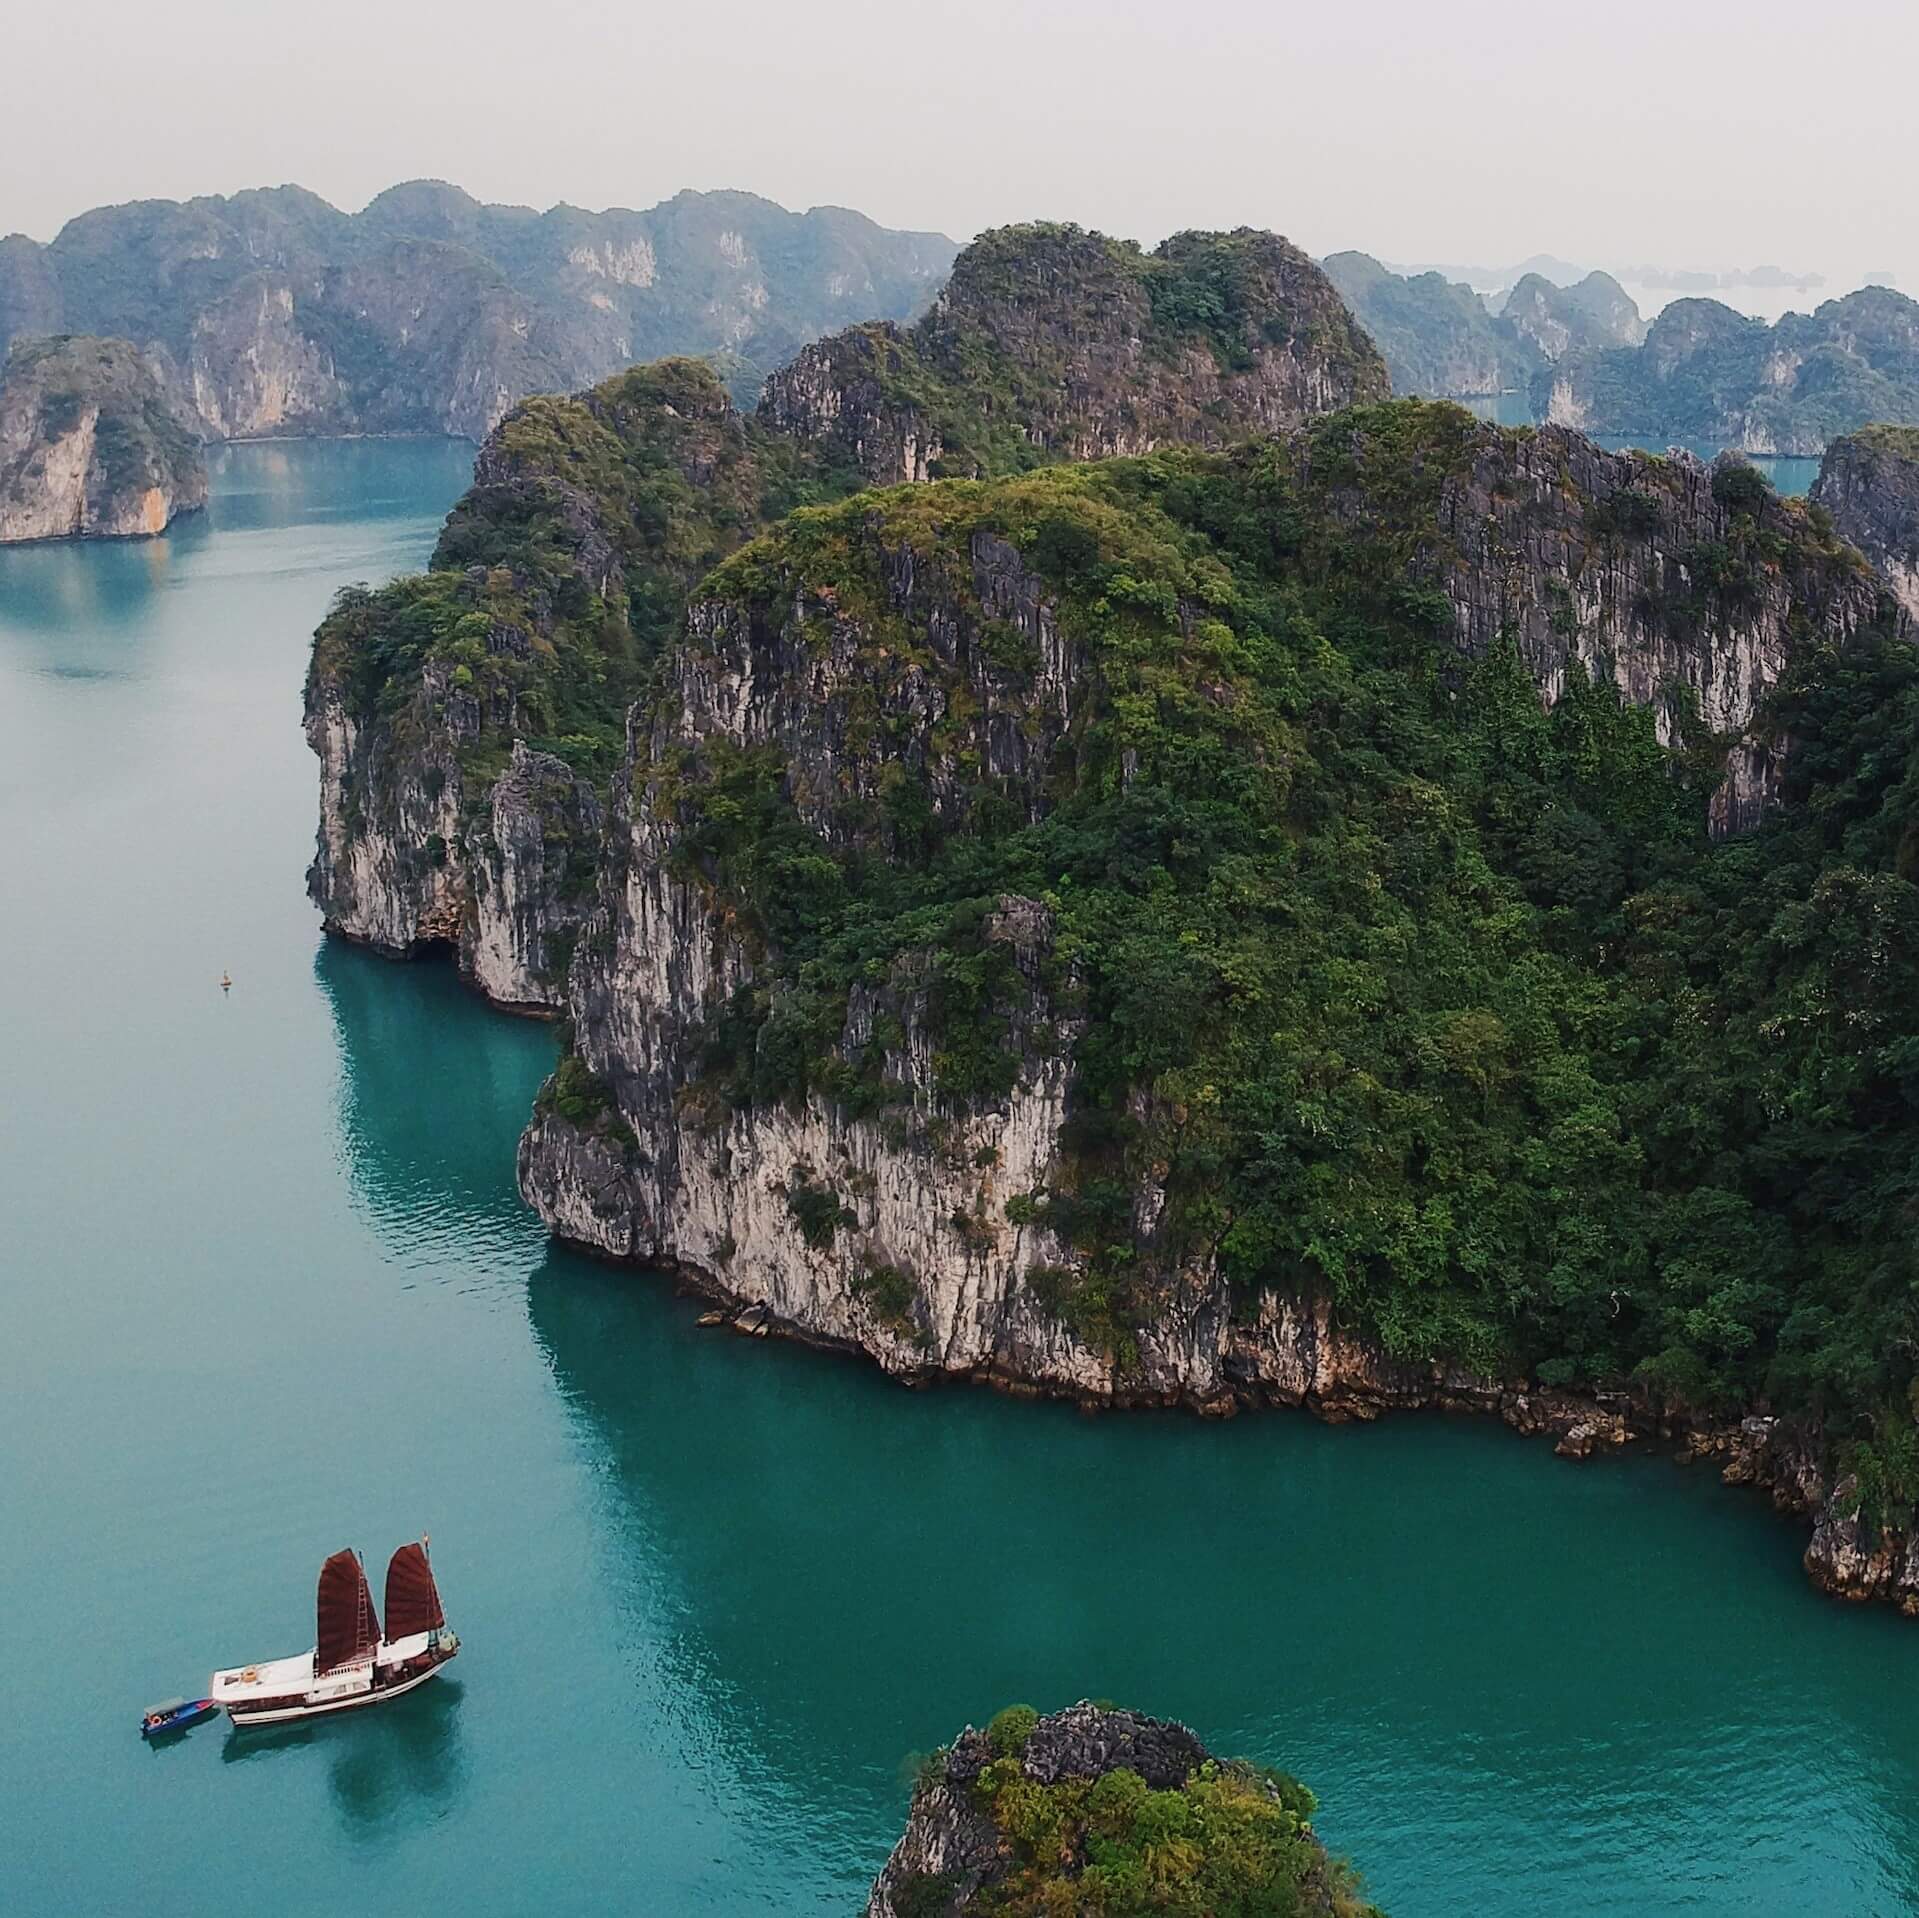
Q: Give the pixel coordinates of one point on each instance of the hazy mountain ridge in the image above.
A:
(272, 311)
(1443, 341)
(1708, 372)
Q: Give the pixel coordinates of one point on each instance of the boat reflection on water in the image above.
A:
(382, 1767)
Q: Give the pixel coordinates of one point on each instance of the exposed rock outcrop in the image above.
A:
(1650, 573)
(958, 1853)
(860, 680)
(1050, 342)
(272, 312)
(467, 720)
(1595, 313)
(1869, 483)
(90, 446)
(591, 518)
(407, 866)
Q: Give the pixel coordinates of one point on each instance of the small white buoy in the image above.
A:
(226, 983)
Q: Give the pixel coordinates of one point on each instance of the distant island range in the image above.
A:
(271, 311)
(1583, 355)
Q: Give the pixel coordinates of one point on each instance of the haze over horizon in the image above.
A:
(1491, 133)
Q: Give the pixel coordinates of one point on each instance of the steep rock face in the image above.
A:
(1055, 343)
(532, 861)
(89, 445)
(1707, 372)
(1649, 573)
(1869, 483)
(273, 312)
(591, 517)
(821, 1145)
(930, 1206)
(1555, 321)
(390, 813)
(250, 371)
(405, 865)
(956, 1853)
(467, 719)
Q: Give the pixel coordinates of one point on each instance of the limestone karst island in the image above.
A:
(960, 966)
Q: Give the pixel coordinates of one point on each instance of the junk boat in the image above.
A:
(174, 1715)
(351, 1664)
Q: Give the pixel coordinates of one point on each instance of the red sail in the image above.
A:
(349, 1629)
(412, 1598)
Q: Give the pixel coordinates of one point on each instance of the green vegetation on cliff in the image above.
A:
(563, 571)
(90, 443)
(1406, 991)
(1101, 1812)
(1054, 342)
(1226, 1844)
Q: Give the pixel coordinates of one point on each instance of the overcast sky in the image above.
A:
(1690, 132)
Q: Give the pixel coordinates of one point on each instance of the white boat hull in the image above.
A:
(281, 1689)
(327, 1707)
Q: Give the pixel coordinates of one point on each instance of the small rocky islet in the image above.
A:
(91, 446)
(1078, 845)
(1096, 1809)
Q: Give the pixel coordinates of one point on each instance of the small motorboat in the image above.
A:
(352, 1664)
(174, 1715)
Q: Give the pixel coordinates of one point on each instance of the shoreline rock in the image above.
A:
(90, 446)
(1773, 1457)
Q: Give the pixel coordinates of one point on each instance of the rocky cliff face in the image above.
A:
(591, 518)
(1869, 483)
(467, 721)
(1586, 561)
(1098, 1768)
(1707, 372)
(427, 845)
(884, 1144)
(1050, 342)
(273, 312)
(90, 446)
(409, 865)
(1687, 587)
(1594, 314)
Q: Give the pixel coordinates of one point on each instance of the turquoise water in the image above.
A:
(265, 1289)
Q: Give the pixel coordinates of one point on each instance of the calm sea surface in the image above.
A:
(265, 1290)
